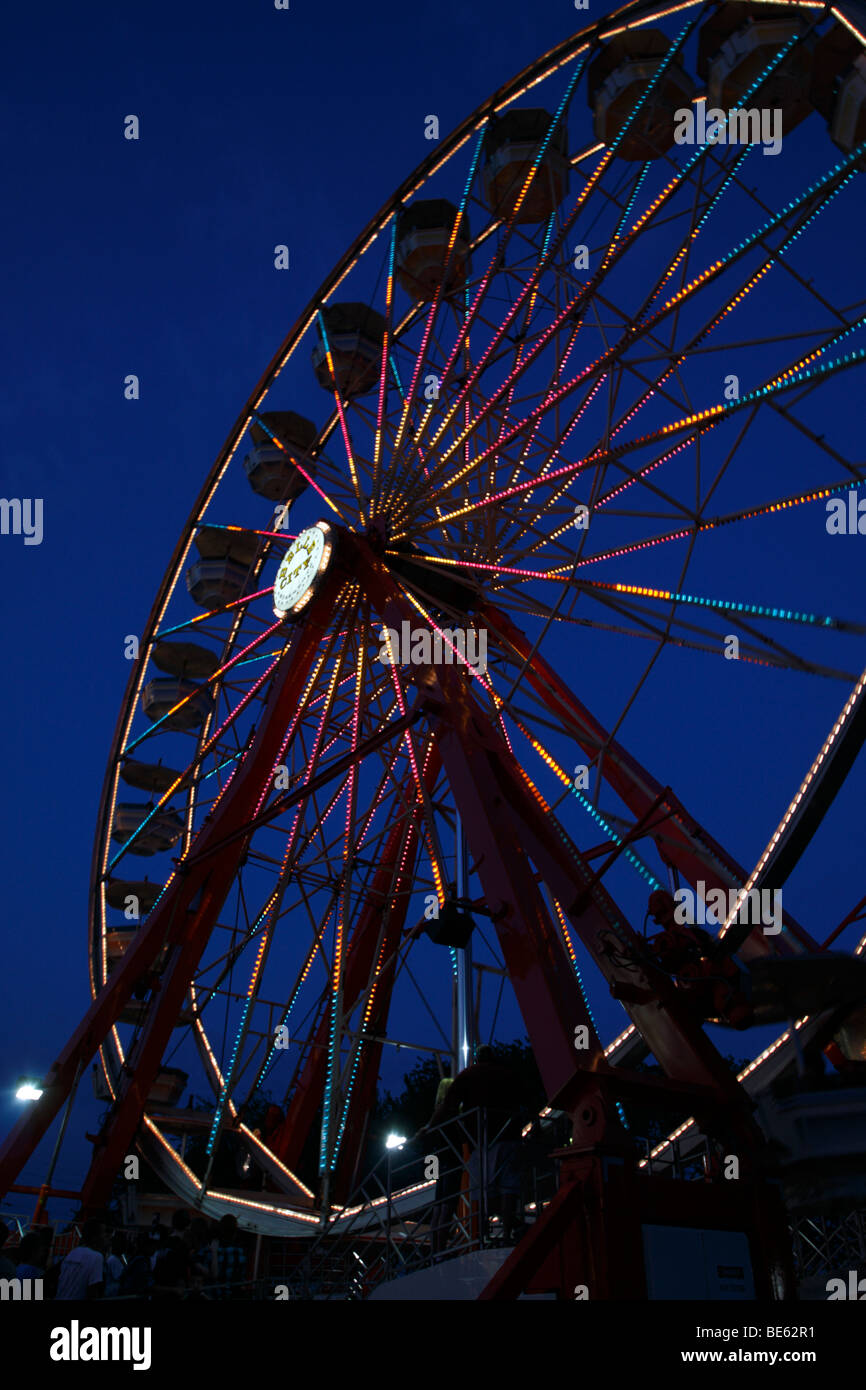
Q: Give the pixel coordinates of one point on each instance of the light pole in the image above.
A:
(393, 1141)
(464, 1042)
(28, 1090)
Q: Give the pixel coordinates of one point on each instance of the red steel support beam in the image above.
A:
(686, 844)
(547, 990)
(590, 1234)
(180, 923)
(507, 826)
(363, 1097)
(674, 1036)
(288, 1140)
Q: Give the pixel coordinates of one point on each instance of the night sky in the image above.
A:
(155, 257)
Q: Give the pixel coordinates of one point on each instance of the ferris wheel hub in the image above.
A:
(301, 569)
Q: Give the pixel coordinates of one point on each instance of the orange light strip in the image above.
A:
(438, 877)
(350, 455)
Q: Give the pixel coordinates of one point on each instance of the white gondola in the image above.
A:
(132, 894)
(620, 77)
(185, 659)
(512, 147)
(424, 233)
(149, 777)
(735, 48)
(162, 694)
(271, 466)
(355, 333)
(168, 1087)
(162, 831)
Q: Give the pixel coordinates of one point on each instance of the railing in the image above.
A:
(827, 1244)
(61, 1241)
(471, 1188)
(699, 1162)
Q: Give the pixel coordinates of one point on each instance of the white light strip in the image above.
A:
(795, 804)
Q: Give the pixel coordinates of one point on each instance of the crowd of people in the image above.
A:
(477, 1121)
(194, 1258)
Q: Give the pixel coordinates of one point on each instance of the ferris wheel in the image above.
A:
(521, 453)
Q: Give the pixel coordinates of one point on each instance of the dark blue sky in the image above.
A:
(155, 257)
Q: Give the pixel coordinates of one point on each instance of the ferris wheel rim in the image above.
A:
(536, 71)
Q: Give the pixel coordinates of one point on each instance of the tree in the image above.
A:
(408, 1111)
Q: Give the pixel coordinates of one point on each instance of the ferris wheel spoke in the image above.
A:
(544, 259)
(231, 1072)
(179, 781)
(728, 173)
(482, 678)
(214, 613)
(566, 780)
(433, 846)
(572, 310)
(394, 482)
(711, 523)
(296, 729)
(434, 307)
(645, 625)
(270, 919)
(341, 411)
(770, 653)
(211, 680)
(683, 354)
(699, 423)
(379, 976)
(513, 576)
(311, 481)
(384, 368)
(765, 395)
(560, 382)
(836, 181)
(339, 485)
(332, 1120)
(285, 1013)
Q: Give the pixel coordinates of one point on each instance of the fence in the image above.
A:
(474, 1187)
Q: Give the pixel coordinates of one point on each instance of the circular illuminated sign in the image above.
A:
(306, 559)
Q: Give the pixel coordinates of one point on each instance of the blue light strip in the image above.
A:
(671, 54)
(396, 376)
(811, 188)
(629, 205)
(223, 1095)
(754, 610)
(633, 858)
(807, 374)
